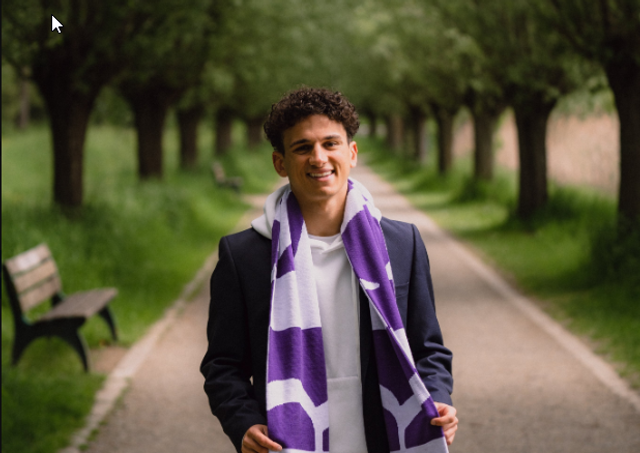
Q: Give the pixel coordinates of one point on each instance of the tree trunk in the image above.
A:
(484, 125)
(418, 124)
(408, 142)
(68, 110)
(624, 79)
(254, 132)
(68, 129)
(224, 123)
(150, 107)
(25, 101)
(387, 126)
(188, 121)
(149, 120)
(373, 126)
(531, 120)
(395, 132)
(444, 119)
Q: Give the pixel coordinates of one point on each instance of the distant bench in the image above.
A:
(32, 278)
(234, 182)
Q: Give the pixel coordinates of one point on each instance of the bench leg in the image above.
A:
(66, 329)
(77, 342)
(106, 314)
(20, 342)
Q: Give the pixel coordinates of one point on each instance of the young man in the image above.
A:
(322, 327)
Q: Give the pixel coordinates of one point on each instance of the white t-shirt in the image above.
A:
(339, 314)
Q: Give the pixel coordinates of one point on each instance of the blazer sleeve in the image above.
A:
(433, 359)
(227, 363)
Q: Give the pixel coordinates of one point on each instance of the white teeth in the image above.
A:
(320, 175)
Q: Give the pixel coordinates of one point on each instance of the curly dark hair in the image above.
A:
(299, 104)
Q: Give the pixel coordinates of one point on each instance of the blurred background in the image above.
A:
(515, 124)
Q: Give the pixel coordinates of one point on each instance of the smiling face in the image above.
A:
(318, 158)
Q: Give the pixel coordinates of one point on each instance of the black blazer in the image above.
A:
(234, 366)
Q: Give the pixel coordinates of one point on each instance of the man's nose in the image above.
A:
(318, 156)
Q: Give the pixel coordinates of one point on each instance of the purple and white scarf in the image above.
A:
(297, 395)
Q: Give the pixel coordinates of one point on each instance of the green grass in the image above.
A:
(147, 239)
(567, 257)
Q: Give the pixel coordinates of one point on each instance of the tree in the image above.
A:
(532, 68)
(434, 84)
(189, 113)
(18, 99)
(608, 32)
(162, 67)
(369, 75)
(69, 69)
(265, 48)
(485, 111)
(421, 61)
(486, 101)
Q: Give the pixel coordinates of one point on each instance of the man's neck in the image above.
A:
(323, 219)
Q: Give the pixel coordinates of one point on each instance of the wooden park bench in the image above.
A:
(234, 182)
(31, 278)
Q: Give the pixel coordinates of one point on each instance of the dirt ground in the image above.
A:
(582, 151)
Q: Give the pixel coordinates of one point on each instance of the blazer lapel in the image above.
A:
(365, 334)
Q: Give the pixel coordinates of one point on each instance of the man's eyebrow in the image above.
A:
(304, 140)
(298, 142)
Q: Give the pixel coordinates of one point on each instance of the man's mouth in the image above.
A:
(322, 174)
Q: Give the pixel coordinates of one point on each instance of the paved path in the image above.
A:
(521, 384)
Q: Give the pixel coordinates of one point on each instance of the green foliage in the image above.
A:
(110, 108)
(11, 98)
(254, 165)
(594, 98)
(607, 31)
(569, 256)
(407, 56)
(615, 256)
(500, 189)
(146, 239)
(93, 46)
(524, 57)
(265, 48)
(10, 95)
(172, 46)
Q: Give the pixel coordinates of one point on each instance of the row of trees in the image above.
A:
(441, 55)
(401, 61)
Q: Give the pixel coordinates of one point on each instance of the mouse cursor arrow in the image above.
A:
(55, 24)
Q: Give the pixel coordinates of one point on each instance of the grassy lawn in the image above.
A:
(566, 258)
(147, 239)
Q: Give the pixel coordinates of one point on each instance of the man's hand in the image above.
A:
(447, 420)
(256, 440)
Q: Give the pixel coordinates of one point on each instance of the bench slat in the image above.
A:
(27, 260)
(30, 299)
(218, 171)
(43, 272)
(82, 305)
(235, 182)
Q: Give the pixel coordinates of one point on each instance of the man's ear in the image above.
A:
(278, 163)
(353, 149)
